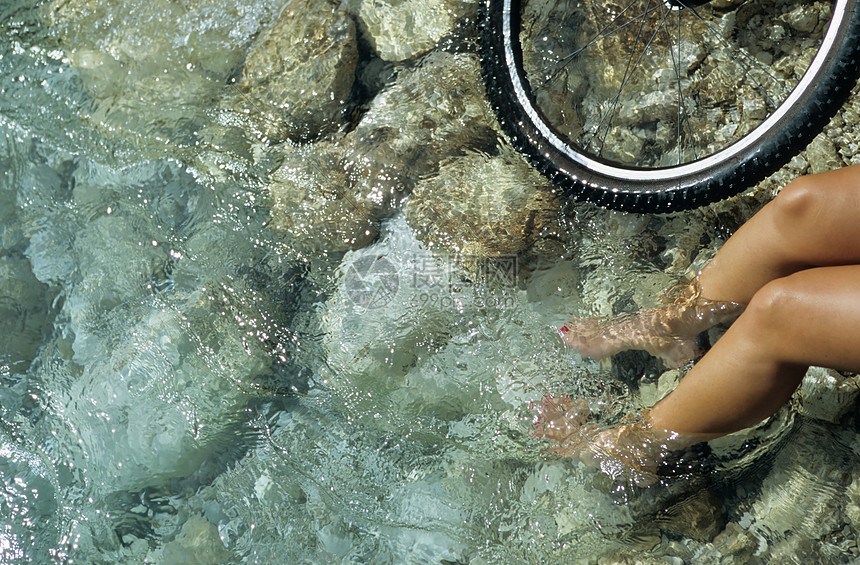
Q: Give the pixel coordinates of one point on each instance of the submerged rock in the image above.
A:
(433, 111)
(803, 497)
(162, 394)
(23, 314)
(852, 507)
(372, 337)
(480, 206)
(698, 516)
(825, 394)
(635, 557)
(651, 393)
(273, 510)
(297, 78)
(330, 196)
(736, 542)
(402, 29)
(316, 205)
(154, 68)
(198, 543)
(823, 155)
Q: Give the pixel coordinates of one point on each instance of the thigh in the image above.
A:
(812, 317)
(813, 222)
(820, 217)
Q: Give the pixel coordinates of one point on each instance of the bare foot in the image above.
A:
(600, 338)
(560, 420)
(668, 332)
(633, 451)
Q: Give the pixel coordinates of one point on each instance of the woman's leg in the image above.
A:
(813, 222)
(811, 317)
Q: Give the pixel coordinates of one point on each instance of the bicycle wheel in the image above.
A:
(664, 105)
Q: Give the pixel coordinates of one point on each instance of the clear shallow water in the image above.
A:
(182, 383)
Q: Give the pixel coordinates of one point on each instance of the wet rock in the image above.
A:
(369, 336)
(852, 507)
(605, 290)
(431, 112)
(32, 496)
(633, 557)
(684, 234)
(844, 129)
(344, 187)
(286, 515)
(726, 3)
(155, 67)
(737, 542)
(10, 232)
(804, 18)
(163, 393)
(801, 550)
(143, 31)
(298, 75)
(402, 29)
(698, 517)
(316, 205)
(826, 395)
(803, 497)
(481, 206)
(651, 393)
(198, 543)
(140, 352)
(822, 155)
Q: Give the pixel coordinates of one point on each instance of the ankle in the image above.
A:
(692, 312)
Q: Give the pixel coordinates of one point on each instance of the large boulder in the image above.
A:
(402, 29)
(331, 195)
(482, 206)
(297, 78)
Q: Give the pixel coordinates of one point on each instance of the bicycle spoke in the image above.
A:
(628, 74)
(728, 45)
(683, 117)
(612, 104)
(600, 36)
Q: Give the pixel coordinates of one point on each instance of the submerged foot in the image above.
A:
(633, 450)
(562, 421)
(668, 332)
(600, 338)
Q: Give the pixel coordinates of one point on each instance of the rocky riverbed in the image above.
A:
(433, 263)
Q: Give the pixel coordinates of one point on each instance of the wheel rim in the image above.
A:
(616, 93)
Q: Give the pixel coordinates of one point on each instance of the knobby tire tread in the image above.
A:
(728, 178)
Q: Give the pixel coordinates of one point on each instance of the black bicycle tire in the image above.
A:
(503, 72)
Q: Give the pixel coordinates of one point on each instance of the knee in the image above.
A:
(774, 304)
(802, 199)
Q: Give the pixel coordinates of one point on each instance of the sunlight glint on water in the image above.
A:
(181, 381)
